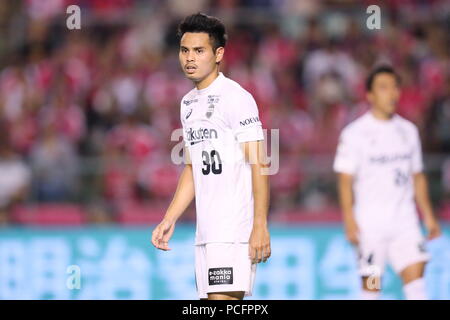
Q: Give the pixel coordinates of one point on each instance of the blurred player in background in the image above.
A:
(380, 173)
(220, 121)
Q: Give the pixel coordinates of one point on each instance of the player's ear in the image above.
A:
(219, 54)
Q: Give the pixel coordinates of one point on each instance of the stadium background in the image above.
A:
(86, 117)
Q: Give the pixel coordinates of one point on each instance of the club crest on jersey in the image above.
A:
(210, 111)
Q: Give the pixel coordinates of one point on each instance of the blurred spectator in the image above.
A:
(438, 124)
(55, 166)
(331, 60)
(15, 177)
(109, 94)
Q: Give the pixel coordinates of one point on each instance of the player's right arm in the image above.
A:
(184, 195)
(345, 165)
(345, 190)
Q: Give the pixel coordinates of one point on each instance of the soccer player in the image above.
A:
(380, 174)
(225, 159)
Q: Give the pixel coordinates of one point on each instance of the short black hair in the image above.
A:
(200, 22)
(377, 71)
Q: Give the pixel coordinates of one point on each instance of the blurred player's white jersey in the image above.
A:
(215, 121)
(382, 156)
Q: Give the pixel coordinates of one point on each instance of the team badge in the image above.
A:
(212, 99)
(210, 111)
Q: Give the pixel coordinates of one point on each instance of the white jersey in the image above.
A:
(215, 121)
(382, 156)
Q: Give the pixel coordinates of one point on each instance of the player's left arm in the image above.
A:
(424, 203)
(259, 242)
(421, 189)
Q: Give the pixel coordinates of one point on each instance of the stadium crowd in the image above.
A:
(86, 116)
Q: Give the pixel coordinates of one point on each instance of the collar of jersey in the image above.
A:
(381, 122)
(211, 85)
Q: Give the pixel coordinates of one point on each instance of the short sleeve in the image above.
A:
(347, 154)
(183, 114)
(417, 161)
(243, 118)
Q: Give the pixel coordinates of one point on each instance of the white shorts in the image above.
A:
(401, 249)
(223, 267)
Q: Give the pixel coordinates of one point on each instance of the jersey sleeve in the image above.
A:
(347, 154)
(183, 125)
(243, 118)
(417, 161)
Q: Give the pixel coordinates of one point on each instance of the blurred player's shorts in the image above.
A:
(401, 249)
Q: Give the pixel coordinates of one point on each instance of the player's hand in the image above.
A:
(434, 230)
(352, 231)
(259, 245)
(161, 235)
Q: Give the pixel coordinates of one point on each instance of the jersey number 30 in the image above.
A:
(210, 163)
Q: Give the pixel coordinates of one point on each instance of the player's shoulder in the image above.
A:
(355, 127)
(406, 124)
(187, 98)
(235, 91)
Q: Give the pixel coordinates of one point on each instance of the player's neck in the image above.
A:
(204, 83)
(380, 115)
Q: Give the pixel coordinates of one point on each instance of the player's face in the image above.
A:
(385, 93)
(197, 58)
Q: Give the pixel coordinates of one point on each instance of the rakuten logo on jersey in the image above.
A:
(200, 134)
(248, 121)
(389, 158)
